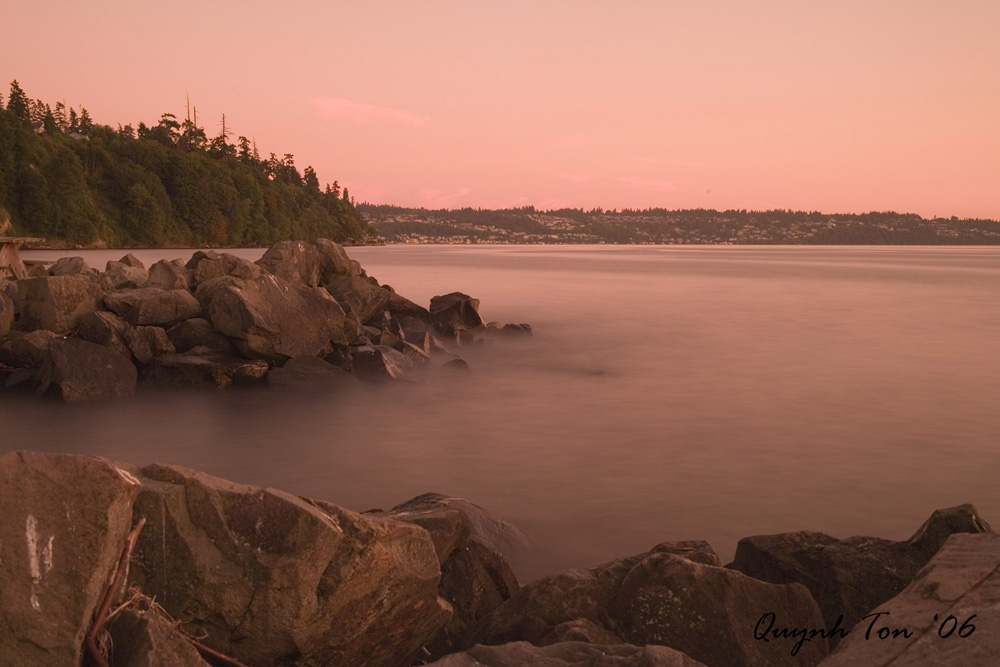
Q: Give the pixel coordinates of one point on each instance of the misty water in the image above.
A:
(669, 393)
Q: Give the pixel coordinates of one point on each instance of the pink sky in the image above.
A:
(838, 106)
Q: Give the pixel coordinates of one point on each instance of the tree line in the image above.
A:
(65, 177)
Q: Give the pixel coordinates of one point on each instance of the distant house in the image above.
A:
(38, 126)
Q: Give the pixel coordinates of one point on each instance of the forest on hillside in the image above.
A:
(64, 177)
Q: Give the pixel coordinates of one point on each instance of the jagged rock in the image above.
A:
(310, 375)
(851, 577)
(143, 636)
(455, 313)
(215, 265)
(153, 306)
(568, 654)
(63, 525)
(20, 349)
(274, 319)
(6, 313)
(457, 364)
(56, 303)
(378, 363)
(197, 332)
(951, 610)
(169, 276)
(145, 343)
(360, 296)
(199, 255)
(73, 266)
(516, 330)
(296, 262)
(335, 260)
(270, 578)
(415, 354)
(669, 596)
(106, 329)
(118, 276)
(400, 307)
(205, 371)
(133, 261)
(80, 371)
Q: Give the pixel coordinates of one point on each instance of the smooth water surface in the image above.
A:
(669, 393)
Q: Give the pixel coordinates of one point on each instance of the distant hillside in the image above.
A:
(64, 177)
(527, 225)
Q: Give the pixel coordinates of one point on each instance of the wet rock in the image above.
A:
(56, 303)
(455, 313)
(197, 332)
(105, 329)
(276, 320)
(310, 375)
(169, 276)
(951, 609)
(205, 371)
(669, 596)
(378, 363)
(146, 343)
(568, 654)
(215, 265)
(851, 577)
(153, 306)
(118, 276)
(362, 296)
(80, 371)
(73, 266)
(143, 636)
(294, 261)
(335, 260)
(20, 350)
(63, 525)
(6, 313)
(270, 578)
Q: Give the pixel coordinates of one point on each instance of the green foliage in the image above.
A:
(161, 185)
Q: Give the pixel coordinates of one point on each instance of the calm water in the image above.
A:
(669, 393)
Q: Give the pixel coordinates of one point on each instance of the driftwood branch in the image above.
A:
(110, 594)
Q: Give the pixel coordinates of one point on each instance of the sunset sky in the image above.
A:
(845, 106)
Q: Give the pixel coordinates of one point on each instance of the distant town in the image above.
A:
(394, 224)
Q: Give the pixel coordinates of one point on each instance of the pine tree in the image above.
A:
(85, 122)
(60, 116)
(17, 101)
(74, 123)
(244, 154)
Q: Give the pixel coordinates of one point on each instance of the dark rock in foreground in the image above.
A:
(80, 371)
(850, 577)
(569, 654)
(143, 636)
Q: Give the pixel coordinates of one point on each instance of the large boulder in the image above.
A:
(676, 595)
(106, 329)
(455, 313)
(202, 368)
(850, 577)
(119, 275)
(73, 266)
(272, 579)
(568, 654)
(379, 363)
(363, 297)
(197, 332)
(335, 261)
(949, 612)
(169, 275)
(79, 371)
(214, 265)
(310, 375)
(146, 343)
(63, 526)
(153, 306)
(274, 319)
(294, 261)
(143, 636)
(21, 350)
(56, 303)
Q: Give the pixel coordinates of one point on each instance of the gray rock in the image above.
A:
(360, 296)
(106, 329)
(197, 332)
(73, 266)
(63, 525)
(215, 265)
(146, 343)
(296, 262)
(118, 276)
(951, 610)
(56, 303)
(455, 313)
(153, 306)
(310, 375)
(568, 654)
(270, 578)
(335, 261)
(133, 261)
(168, 275)
(79, 371)
(20, 350)
(205, 371)
(274, 319)
(665, 598)
(378, 363)
(850, 577)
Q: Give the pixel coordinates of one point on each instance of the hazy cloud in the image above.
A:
(648, 183)
(577, 178)
(654, 160)
(365, 114)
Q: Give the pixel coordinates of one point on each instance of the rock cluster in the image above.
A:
(214, 568)
(303, 317)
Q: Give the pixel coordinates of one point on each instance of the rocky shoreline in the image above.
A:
(104, 562)
(303, 317)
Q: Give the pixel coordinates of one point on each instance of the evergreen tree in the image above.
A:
(85, 123)
(245, 156)
(17, 101)
(74, 123)
(60, 116)
(311, 180)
